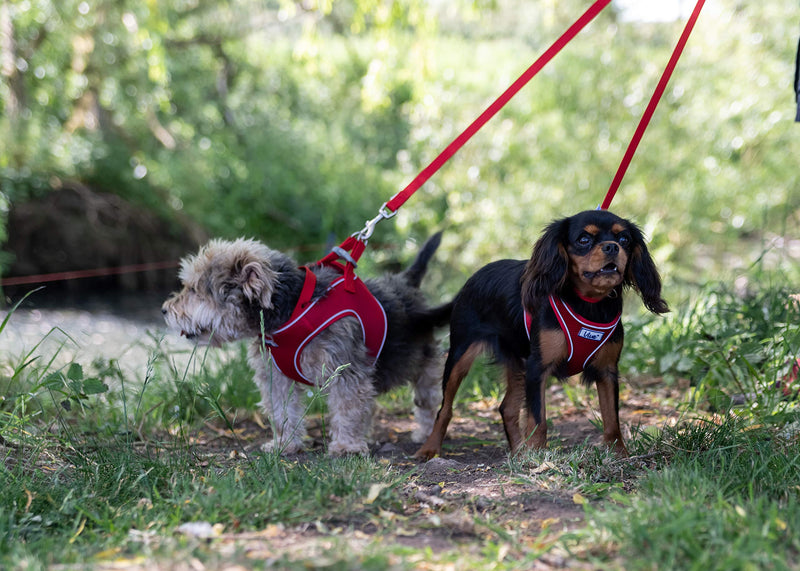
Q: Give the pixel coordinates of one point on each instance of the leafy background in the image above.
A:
(293, 122)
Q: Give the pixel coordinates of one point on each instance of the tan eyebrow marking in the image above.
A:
(617, 228)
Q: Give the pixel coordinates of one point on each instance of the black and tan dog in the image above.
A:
(243, 289)
(554, 315)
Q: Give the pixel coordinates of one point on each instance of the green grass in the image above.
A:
(90, 501)
(728, 497)
(68, 499)
(97, 467)
(90, 459)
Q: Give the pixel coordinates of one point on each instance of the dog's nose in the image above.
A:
(163, 311)
(611, 248)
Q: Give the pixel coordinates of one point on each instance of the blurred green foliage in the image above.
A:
(293, 121)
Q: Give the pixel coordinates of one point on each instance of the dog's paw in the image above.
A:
(348, 448)
(283, 448)
(619, 449)
(426, 453)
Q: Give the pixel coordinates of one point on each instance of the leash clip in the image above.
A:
(366, 233)
(345, 255)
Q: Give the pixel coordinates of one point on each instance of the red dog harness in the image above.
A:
(584, 337)
(310, 318)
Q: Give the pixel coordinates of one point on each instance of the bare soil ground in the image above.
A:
(454, 502)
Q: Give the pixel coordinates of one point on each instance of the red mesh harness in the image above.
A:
(584, 337)
(343, 298)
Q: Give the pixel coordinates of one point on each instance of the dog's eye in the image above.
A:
(229, 289)
(623, 240)
(584, 240)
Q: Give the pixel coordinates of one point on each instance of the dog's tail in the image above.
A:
(414, 273)
(433, 318)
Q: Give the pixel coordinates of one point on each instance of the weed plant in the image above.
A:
(729, 345)
(724, 491)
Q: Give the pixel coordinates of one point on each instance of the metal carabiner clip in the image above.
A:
(366, 233)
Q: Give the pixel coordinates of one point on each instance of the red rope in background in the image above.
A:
(74, 275)
(113, 271)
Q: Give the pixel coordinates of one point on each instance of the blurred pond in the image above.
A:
(125, 327)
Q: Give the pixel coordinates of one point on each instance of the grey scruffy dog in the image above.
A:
(243, 289)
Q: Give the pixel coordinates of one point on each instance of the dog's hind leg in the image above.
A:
(512, 404)
(427, 396)
(455, 370)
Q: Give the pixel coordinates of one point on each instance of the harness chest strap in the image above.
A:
(309, 319)
(584, 337)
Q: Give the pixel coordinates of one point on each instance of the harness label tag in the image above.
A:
(584, 338)
(590, 334)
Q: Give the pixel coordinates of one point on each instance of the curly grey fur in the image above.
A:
(242, 289)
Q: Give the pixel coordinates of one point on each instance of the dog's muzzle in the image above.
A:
(609, 269)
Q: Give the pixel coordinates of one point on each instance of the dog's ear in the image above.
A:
(257, 281)
(546, 271)
(642, 274)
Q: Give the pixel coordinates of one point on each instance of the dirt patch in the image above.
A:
(470, 494)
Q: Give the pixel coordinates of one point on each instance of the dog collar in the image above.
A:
(588, 299)
(584, 337)
(310, 318)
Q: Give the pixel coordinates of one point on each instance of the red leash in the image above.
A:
(352, 248)
(651, 107)
(78, 274)
(398, 199)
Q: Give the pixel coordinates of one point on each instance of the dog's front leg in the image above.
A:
(548, 349)
(608, 394)
(280, 401)
(607, 382)
(351, 399)
(604, 372)
(535, 385)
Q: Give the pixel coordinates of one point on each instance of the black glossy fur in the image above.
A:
(593, 255)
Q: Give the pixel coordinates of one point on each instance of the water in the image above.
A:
(125, 327)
